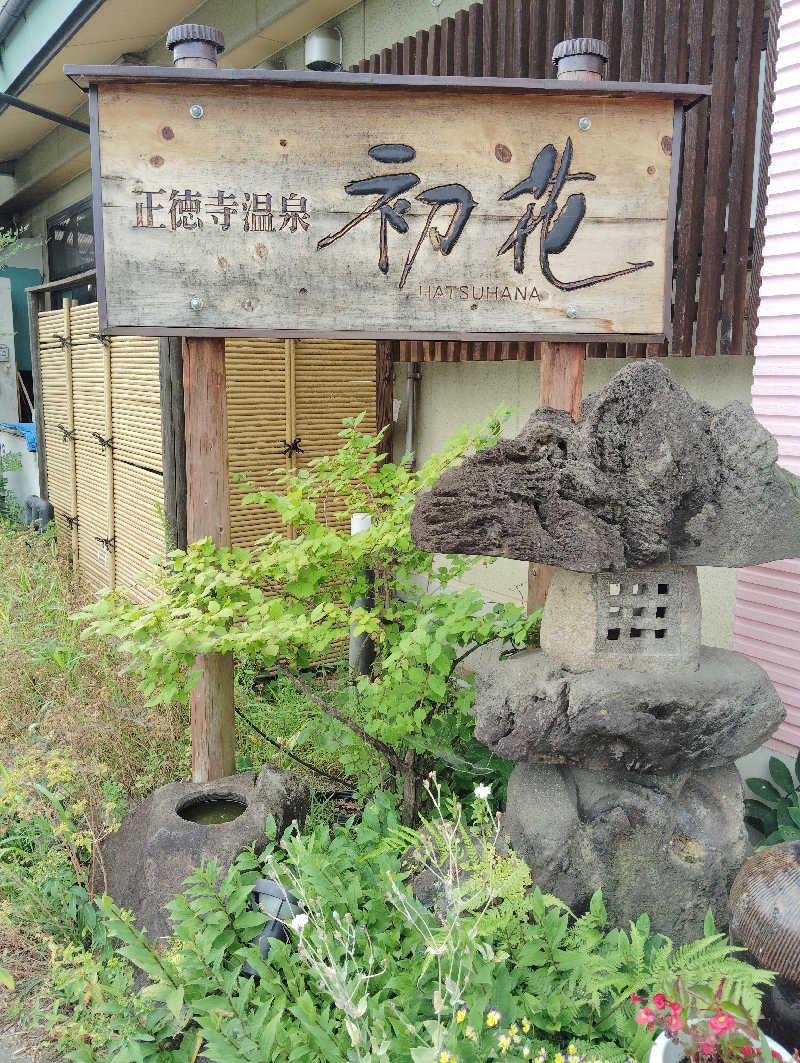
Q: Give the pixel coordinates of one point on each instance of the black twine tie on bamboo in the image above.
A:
(65, 341)
(68, 433)
(109, 443)
(72, 522)
(105, 340)
(107, 543)
(293, 447)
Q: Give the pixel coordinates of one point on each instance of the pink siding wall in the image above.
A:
(767, 619)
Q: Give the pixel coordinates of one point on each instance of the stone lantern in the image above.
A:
(624, 727)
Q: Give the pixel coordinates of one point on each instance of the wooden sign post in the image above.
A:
(213, 721)
(297, 203)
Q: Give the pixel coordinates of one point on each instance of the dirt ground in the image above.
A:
(16, 1047)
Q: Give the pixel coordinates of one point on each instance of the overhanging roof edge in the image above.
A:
(83, 76)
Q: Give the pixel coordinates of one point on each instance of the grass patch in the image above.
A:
(300, 737)
(63, 692)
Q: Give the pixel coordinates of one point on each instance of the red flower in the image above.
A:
(746, 1050)
(674, 1024)
(660, 1001)
(776, 1055)
(675, 1007)
(721, 1022)
(707, 1046)
(645, 1017)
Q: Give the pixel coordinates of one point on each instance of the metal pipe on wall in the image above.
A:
(412, 377)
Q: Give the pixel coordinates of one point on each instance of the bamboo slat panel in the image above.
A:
(333, 379)
(256, 379)
(136, 401)
(114, 394)
(96, 560)
(138, 505)
(57, 404)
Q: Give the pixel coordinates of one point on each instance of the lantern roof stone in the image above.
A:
(647, 475)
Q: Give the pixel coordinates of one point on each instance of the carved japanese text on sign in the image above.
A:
(283, 210)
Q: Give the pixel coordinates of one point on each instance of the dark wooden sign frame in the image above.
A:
(683, 96)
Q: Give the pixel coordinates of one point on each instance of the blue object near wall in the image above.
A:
(26, 429)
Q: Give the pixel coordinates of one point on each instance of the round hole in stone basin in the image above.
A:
(212, 809)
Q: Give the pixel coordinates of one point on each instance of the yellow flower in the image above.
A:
(513, 1029)
(504, 1043)
(525, 1025)
(558, 1058)
(572, 1050)
(461, 1014)
(493, 1018)
(444, 1057)
(470, 1033)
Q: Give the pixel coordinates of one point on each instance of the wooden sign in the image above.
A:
(291, 204)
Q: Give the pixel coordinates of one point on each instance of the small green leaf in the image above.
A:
(709, 926)
(781, 774)
(7, 979)
(765, 790)
(597, 908)
(174, 1002)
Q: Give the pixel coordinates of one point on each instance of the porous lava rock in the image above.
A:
(532, 708)
(149, 858)
(647, 475)
(667, 844)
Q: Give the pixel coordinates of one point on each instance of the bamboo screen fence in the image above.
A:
(714, 310)
(102, 426)
(103, 433)
(280, 391)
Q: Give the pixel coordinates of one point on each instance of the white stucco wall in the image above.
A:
(453, 394)
(25, 480)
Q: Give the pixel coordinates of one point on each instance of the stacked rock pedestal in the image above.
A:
(625, 742)
(624, 727)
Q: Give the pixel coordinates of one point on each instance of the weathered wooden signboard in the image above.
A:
(264, 203)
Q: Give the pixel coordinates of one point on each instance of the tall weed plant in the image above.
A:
(67, 693)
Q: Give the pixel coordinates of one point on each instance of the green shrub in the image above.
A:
(289, 603)
(370, 975)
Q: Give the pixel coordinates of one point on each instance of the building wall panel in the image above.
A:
(767, 618)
